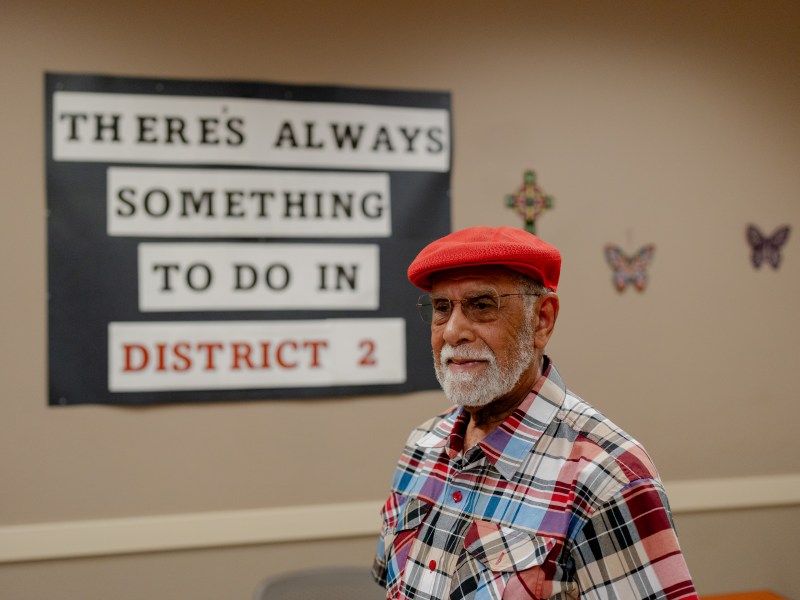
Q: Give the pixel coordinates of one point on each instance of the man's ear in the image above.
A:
(546, 315)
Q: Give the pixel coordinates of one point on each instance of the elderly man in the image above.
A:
(522, 489)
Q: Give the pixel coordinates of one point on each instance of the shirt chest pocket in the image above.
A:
(409, 515)
(503, 562)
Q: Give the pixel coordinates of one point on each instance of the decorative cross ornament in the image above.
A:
(529, 201)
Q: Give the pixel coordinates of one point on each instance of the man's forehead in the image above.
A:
(483, 275)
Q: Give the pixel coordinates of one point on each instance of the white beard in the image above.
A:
(468, 389)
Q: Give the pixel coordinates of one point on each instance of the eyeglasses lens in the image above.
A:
(480, 308)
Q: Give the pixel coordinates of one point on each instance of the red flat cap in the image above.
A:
(505, 246)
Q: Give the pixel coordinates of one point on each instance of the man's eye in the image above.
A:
(483, 303)
(440, 306)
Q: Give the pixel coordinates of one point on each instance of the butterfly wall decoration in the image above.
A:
(766, 247)
(629, 269)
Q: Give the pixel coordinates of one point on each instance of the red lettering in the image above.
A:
(180, 349)
(184, 356)
(209, 347)
(279, 354)
(368, 359)
(315, 346)
(161, 366)
(144, 355)
(241, 350)
(265, 355)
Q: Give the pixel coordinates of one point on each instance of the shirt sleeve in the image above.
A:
(389, 514)
(379, 565)
(629, 549)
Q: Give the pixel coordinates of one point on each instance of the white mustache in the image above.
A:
(466, 353)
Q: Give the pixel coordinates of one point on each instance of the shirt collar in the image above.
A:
(507, 446)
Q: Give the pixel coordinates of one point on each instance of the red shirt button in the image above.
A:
(432, 565)
(457, 496)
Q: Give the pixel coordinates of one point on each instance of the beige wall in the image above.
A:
(672, 123)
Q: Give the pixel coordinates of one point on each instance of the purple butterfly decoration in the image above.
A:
(766, 247)
(629, 269)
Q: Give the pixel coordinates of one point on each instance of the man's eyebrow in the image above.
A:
(482, 292)
(470, 293)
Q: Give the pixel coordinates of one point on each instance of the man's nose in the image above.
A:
(458, 328)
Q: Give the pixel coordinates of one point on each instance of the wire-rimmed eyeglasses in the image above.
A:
(480, 308)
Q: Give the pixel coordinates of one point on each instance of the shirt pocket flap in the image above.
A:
(504, 549)
(412, 514)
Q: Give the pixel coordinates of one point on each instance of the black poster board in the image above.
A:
(217, 240)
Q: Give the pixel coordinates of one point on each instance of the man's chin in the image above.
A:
(466, 389)
(471, 402)
(462, 395)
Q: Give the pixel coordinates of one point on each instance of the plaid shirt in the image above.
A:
(557, 502)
